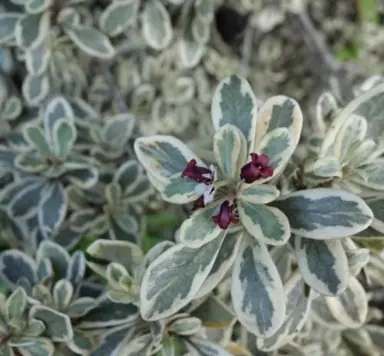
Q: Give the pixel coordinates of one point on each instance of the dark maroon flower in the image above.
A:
(199, 203)
(197, 173)
(256, 169)
(226, 215)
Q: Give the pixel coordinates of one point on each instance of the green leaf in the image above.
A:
(258, 193)
(257, 289)
(223, 262)
(298, 307)
(350, 307)
(324, 213)
(164, 156)
(31, 29)
(200, 229)
(8, 22)
(64, 137)
(58, 325)
(234, 103)
(278, 146)
(157, 27)
(62, 294)
(264, 223)
(323, 264)
(35, 88)
(279, 112)
(230, 150)
(179, 271)
(118, 16)
(214, 314)
(91, 41)
(53, 209)
(16, 305)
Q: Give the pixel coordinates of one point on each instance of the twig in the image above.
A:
(246, 51)
(328, 68)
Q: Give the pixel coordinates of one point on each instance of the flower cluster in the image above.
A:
(257, 168)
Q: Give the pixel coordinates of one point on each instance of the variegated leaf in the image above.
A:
(117, 130)
(180, 190)
(190, 50)
(25, 203)
(107, 313)
(57, 255)
(206, 348)
(259, 193)
(230, 148)
(353, 131)
(283, 257)
(325, 108)
(235, 103)
(123, 252)
(371, 176)
(350, 307)
(323, 264)
(37, 58)
(36, 88)
(367, 105)
(8, 22)
(223, 263)
(34, 135)
(53, 208)
(279, 112)
(214, 313)
(31, 29)
(63, 138)
(91, 41)
(264, 223)
(157, 27)
(185, 326)
(62, 294)
(58, 325)
(200, 229)
(298, 307)
(278, 146)
(173, 279)
(326, 167)
(376, 333)
(118, 16)
(40, 346)
(15, 265)
(257, 289)
(325, 213)
(377, 207)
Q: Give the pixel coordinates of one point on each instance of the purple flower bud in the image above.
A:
(226, 215)
(196, 173)
(256, 169)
